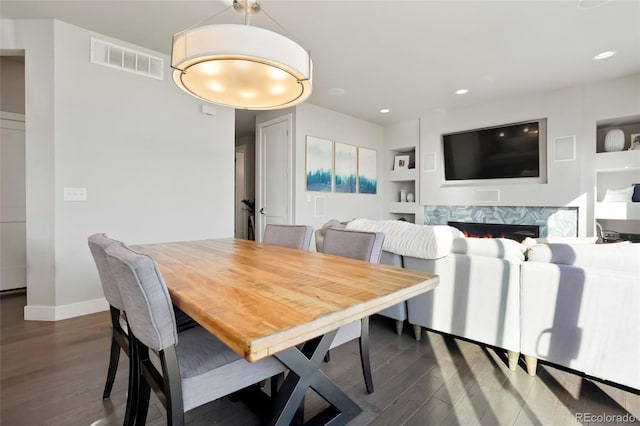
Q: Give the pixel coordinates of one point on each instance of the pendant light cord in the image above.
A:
(246, 21)
(281, 27)
(197, 24)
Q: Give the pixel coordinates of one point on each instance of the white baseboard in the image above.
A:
(57, 313)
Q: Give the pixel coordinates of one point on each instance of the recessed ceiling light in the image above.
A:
(385, 110)
(336, 91)
(461, 91)
(604, 55)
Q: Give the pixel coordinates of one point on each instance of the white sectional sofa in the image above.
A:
(580, 308)
(572, 304)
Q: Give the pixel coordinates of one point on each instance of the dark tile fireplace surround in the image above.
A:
(547, 221)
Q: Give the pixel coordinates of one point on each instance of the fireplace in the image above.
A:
(497, 230)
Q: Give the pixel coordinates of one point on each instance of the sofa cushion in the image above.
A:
(502, 248)
(409, 239)
(620, 257)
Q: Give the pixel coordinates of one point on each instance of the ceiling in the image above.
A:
(407, 56)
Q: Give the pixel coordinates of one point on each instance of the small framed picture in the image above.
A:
(634, 141)
(401, 162)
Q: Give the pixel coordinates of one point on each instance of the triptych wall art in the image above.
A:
(338, 167)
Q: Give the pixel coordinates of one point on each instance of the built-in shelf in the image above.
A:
(618, 161)
(401, 175)
(617, 170)
(618, 211)
(402, 207)
(402, 140)
(630, 126)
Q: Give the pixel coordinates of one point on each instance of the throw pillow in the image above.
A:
(618, 195)
(636, 193)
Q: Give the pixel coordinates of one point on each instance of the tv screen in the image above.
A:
(509, 151)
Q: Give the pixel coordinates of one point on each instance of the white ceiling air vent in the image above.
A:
(125, 59)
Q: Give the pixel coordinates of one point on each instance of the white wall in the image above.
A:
(309, 119)
(326, 124)
(155, 168)
(572, 111)
(36, 38)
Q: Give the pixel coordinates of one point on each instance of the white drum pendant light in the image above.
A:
(241, 66)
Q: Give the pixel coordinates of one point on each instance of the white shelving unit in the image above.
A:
(399, 180)
(617, 170)
(618, 211)
(403, 139)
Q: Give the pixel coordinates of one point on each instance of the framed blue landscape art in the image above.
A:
(367, 176)
(346, 168)
(319, 162)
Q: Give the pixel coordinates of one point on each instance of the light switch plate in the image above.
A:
(75, 194)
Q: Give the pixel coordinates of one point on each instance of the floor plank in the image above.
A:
(52, 373)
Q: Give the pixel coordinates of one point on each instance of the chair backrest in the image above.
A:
(293, 236)
(145, 296)
(98, 244)
(361, 245)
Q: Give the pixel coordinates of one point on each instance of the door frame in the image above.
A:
(241, 216)
(260, 170)
(17, 121)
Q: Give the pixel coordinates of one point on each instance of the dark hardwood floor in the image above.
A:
(52, 373)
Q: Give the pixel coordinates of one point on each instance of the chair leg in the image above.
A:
(133, 392)
(364, 355)
(399, 327)
(276, 381)
(172, 387)
(144, 394)
(114, 358)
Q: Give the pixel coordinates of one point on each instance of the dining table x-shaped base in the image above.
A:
(304, 365)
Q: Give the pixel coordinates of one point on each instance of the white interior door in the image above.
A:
(274, 200)
(13, 246)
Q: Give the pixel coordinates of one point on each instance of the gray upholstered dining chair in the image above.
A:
(98, 244)
(292, 236)
(364, 246)
(185, 370)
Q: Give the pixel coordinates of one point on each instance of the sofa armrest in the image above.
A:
(620, 257)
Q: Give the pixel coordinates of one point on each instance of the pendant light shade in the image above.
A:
(241, 66)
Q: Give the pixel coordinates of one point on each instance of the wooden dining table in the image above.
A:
(263, 300)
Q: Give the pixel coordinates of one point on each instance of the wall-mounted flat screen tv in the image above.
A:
(502, 152)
